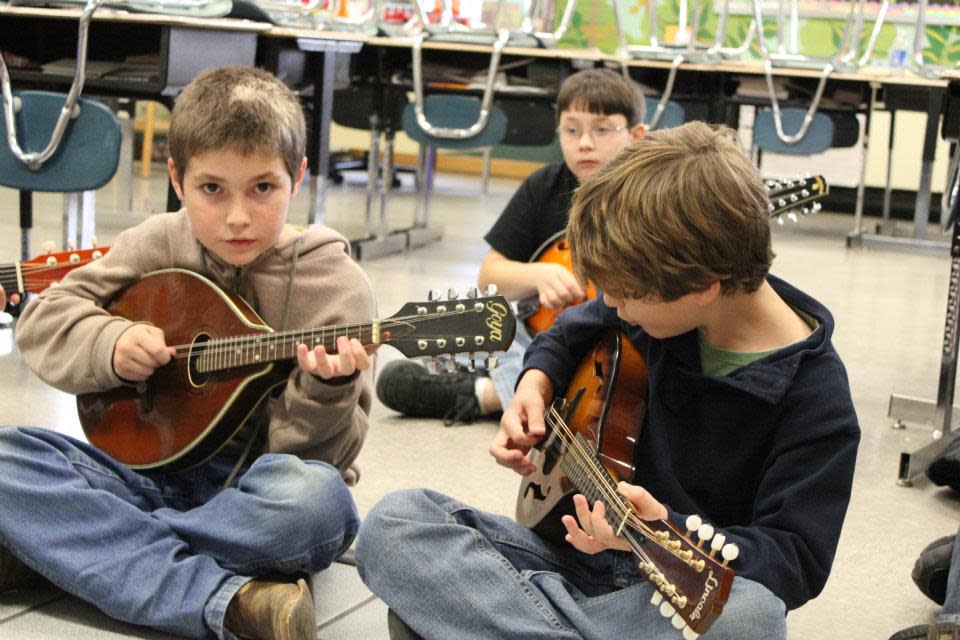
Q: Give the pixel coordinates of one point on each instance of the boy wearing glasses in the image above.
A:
(600, 111)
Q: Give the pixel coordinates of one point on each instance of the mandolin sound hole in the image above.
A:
(195, 362)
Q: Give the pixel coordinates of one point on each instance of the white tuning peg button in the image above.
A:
(433, 295)
(472, 364)
(666, 609)
(690, 634)
(491, 290)
(717, 543)
(472, 292)
(693, 523)
(656, 599)
(434, 366)
(705, 532)
(452, 294)
(453, 366)
(729, 552)
(491, 362)
(677, 621)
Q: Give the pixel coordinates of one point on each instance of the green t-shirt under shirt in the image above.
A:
(721, 362)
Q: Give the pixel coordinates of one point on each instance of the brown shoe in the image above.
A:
(16, 575)
(265, 610)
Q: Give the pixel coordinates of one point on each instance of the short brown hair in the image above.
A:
(670, 214)
(604, 92)
(237, 107)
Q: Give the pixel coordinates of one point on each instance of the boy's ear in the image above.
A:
(709, 294)
(637, 130)
(175, 178)
(301, 173)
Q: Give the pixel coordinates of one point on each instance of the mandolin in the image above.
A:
(228, 360)
(787, 196)
(36, 274)
(589, 446)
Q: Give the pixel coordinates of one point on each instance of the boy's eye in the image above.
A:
(602, 131)
(210, 187)
(263, 187)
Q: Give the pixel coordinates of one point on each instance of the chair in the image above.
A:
(817, 139)
(673, 114)
(445, 113)
(85, 159)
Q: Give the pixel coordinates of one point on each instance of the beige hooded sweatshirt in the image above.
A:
(68, 339)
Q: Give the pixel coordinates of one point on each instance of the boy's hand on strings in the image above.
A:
(351, 357)
(557, 286)
(139, 351)
(522, 423)
(591, 533)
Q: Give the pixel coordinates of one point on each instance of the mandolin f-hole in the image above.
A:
(198, 347)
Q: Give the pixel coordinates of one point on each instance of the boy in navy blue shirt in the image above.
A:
(749, 422)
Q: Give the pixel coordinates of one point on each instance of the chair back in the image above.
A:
(353, 105)
(819, 136)
(88, 154)
(673, 114)
(455, 111)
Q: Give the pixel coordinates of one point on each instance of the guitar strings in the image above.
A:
(285, 339)
(616, 503)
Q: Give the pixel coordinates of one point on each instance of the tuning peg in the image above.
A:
(677, 621)
(433, 295)
(93, 242)
(705, 532)
(666, 609)
(717, 543)
(690, 634)
(729, 553)
(452, 294)
(472, 363)
(491, 362)
(693, 523)
(793, 216)
(817, 206)
(453, 366)
(491, 290)
(472, 292)
(434, 365)
(49, 246)
(780, 220)
(656, 598)
(770, 207)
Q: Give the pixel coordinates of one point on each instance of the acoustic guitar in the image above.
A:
(228, 360)
(589, 446)
(787, 197)
(36, 274)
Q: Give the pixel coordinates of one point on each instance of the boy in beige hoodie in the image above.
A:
(220, 549)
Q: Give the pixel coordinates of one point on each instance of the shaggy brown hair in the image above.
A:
(672, 213)
(603, 92)
(243, 108)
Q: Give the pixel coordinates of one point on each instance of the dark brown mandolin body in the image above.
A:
(609, 414)
(178, 417)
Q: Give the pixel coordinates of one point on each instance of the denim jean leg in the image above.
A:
(425, 555)
(951, 605)
(87, 523)
(283, 516)
(504, 375)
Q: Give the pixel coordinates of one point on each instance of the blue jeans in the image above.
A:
(951, 605)
(450, 571)
(165, 550)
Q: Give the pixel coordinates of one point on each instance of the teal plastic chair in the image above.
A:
(85, 160)
(673, 114)
(819, 136)
(449, 112)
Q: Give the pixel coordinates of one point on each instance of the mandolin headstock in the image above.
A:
(800, 194)
(453, 325)
(693, 578)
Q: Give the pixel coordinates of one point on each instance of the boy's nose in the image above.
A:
(237, 215)
(586, 140)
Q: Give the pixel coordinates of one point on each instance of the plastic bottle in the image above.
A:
(899, 51)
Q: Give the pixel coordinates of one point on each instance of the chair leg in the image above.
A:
(146, 152)
(485, 172)
(26, 223)
(79, 219)
(124, 175)
(373, 167)
(422, 219)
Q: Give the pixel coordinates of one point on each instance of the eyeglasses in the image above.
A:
(597, 132)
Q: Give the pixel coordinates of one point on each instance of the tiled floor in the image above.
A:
(889, 308)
